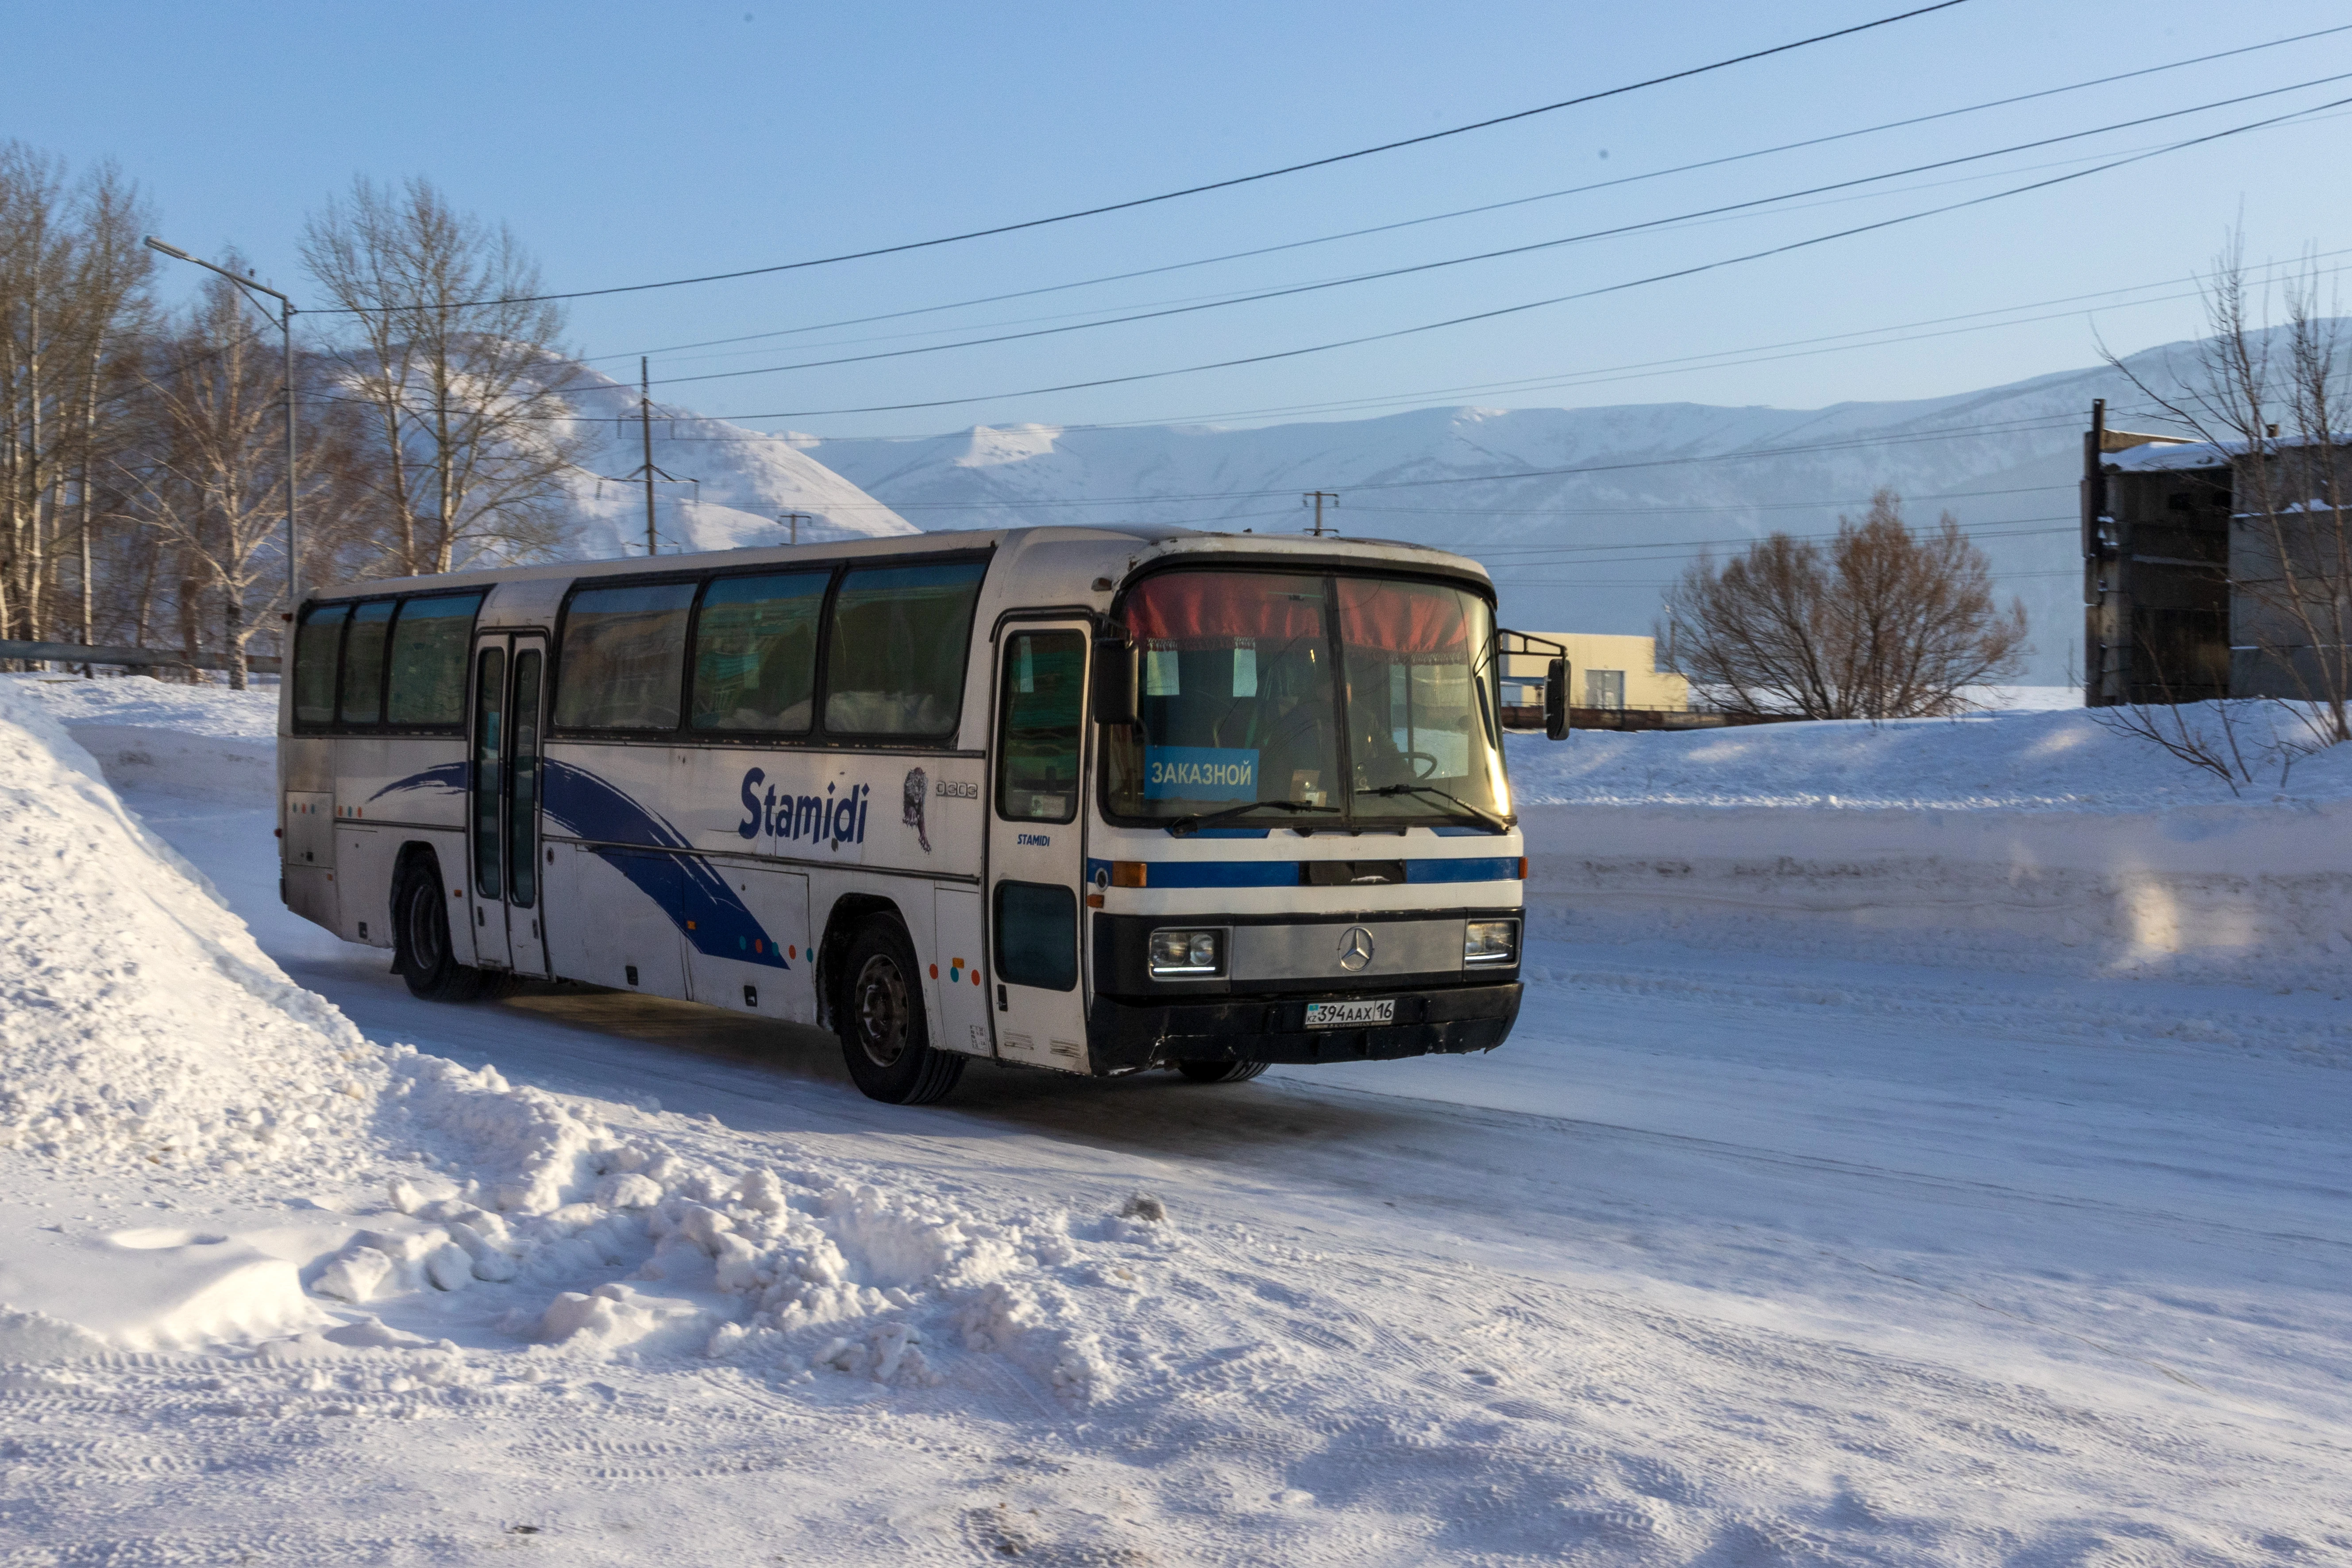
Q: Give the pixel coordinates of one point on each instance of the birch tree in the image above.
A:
(73, 304)
(214, 485)
(457, 371)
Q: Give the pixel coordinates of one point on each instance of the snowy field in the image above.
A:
(2026, 840)
(1751, 1246)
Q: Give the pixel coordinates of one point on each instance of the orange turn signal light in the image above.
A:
(1523, 868)
(1128, 873)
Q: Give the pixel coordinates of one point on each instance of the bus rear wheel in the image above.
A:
(1220, 1072)
(428, 961)
(884, 1036)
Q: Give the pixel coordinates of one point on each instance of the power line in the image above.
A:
(1670, 582)
(1684, 549)
(1230, 296)
(1979, 429)
(1665, 506)
(1529, 249)
(1753, 354)
(1101, 315)
(1224, 184)
(1500, 311)
(1491, 207)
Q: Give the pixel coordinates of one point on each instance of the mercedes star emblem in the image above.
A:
(1355, 949)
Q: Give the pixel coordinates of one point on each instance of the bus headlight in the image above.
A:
(1187, 955)
(1490, 943)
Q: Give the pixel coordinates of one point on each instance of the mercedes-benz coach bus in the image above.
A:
(1097, 800)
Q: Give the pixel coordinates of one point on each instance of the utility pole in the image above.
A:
(646, 425)
(1316, 499)
(646, 470)
(793, 521)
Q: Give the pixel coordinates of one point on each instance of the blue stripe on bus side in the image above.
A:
(1286, 873)
(1498, 870)
(455, 776)
(688, 889)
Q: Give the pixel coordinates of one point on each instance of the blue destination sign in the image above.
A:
(1199, 772)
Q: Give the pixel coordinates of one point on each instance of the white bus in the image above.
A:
(1097, 800)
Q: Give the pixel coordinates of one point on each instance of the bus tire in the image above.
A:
(1220, 1072)
(885, 1038)
(428, 960)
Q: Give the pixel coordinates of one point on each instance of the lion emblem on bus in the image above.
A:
(918, 786)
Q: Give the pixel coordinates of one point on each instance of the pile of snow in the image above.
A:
(202, 739)
(144, 1039)
(139, 1022)
(142, 702)
(2026, 840)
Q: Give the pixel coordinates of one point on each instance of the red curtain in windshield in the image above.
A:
(1409, 618)
(1215, 609)
(1199, 609)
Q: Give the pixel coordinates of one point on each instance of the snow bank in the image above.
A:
(2022, 840)
(143, 1036)
(205, 740)
(139, 1022)
(144, 702)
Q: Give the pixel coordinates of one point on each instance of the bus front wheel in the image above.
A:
(1220, 1072)
(884, 1035)
(428, 961)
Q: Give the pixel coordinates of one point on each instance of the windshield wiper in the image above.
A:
(1187, 824)
(1475, 812)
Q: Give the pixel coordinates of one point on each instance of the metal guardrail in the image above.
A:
(1523, 717)
(135, 657)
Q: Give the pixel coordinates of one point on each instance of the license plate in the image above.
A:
(1350, 1014)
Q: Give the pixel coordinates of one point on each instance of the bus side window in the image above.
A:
(1037, 744)
(428, 659)
(755, 652)
(896, 650)
(315, 647)
(624, 658)
(363, 663)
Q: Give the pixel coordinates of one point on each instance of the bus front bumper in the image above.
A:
(1129, 1036)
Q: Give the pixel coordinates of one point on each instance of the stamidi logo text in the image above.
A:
(828, 819)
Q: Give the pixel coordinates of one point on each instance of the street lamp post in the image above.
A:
(286, 327)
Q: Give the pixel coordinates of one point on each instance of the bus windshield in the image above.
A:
(1338, 698)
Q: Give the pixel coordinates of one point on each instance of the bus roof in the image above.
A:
(1080, 552)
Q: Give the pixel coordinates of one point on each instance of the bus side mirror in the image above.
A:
(1117, 666)
(1556, 700)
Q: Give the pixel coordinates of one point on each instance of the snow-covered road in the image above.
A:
(1722, 1257)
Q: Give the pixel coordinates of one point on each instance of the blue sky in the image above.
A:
(625, 143)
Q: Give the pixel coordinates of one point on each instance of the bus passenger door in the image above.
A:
(509, 683)
(1036, 853)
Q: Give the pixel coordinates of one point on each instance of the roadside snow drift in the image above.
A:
(2022, 840)
(1754, 1261)
(146, 1036)
(139, 1022)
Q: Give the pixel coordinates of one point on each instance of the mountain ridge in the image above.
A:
(1583, 515)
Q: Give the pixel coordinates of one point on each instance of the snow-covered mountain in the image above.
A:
(1599, 508)
(1584, 515)
(747, 482)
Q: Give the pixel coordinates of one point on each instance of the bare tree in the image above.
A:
(72, 305)
(2290, 566)
(1882, 624)
(213, 477)
(458, 371)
